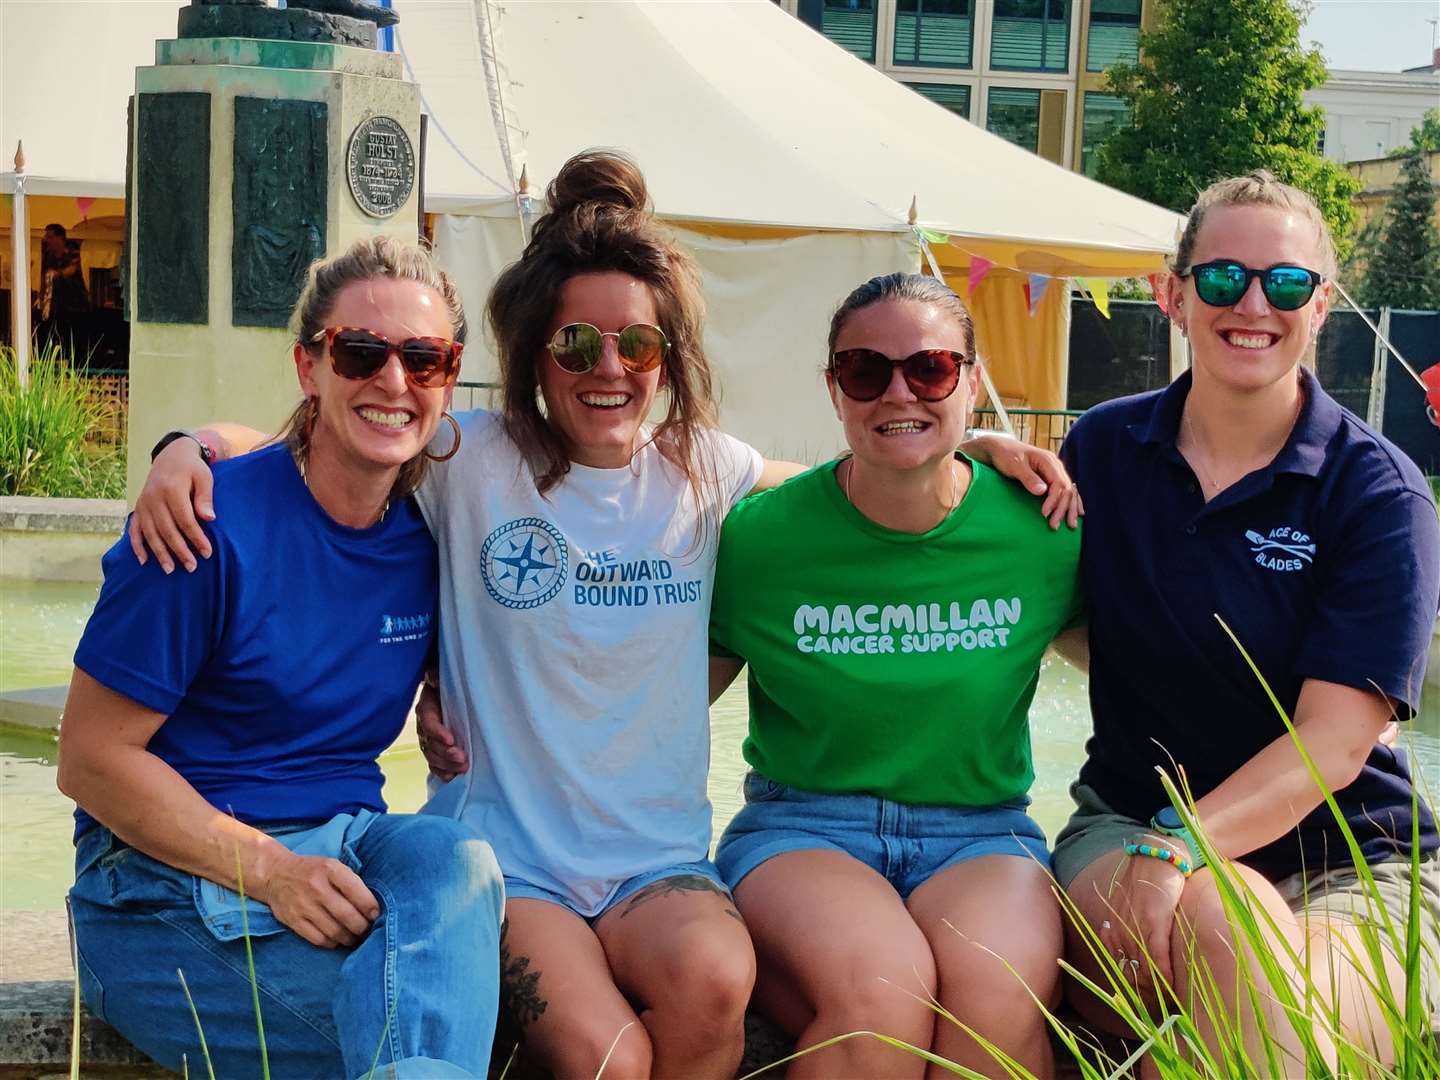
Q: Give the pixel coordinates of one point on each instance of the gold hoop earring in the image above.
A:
(453, 450)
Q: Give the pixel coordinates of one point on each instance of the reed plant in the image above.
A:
(43, 429)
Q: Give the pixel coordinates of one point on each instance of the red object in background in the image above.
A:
(1431, 378)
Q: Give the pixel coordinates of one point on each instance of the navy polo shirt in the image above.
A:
(1325, 564)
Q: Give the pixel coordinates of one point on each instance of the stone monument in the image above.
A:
(262, 139)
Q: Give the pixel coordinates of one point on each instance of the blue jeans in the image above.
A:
(429, 966)
(905, 843)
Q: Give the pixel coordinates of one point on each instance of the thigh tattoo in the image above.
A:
(520, 1001)
(680, 883)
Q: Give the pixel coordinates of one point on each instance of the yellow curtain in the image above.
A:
(1025, 354)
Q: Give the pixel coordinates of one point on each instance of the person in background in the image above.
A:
(222, 730)
(1243, 492)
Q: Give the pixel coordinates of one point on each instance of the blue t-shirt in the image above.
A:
(288, 661)
(1325, 564)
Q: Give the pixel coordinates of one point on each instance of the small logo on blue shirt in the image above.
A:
(1284, 548)
(403, 627)
(524, 563)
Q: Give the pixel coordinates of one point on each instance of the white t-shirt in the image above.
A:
(574, 651)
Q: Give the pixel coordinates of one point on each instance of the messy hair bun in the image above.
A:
(598, 176)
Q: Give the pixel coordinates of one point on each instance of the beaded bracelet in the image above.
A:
(1159, 853)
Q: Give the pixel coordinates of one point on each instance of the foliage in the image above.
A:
(1424, 136)
(1218, 93)
(42, 433)
(1402, 256)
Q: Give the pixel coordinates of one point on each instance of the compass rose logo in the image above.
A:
(524, 563)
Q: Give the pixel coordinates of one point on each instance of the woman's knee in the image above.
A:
(441, 856)
(887, 994)
(582, 1048)
(712, 980)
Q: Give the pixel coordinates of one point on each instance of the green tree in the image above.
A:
(1403, 266)
(1424, 136)
(1218, 92)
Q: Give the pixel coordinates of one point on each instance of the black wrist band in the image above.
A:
(206, 455)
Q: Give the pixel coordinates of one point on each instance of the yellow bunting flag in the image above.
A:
(1099, 290)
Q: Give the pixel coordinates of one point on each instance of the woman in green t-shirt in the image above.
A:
(893, 607)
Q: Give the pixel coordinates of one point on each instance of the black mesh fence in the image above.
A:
(1345, 359)
(1130, 353)
(1125, 354)
(1405, 422)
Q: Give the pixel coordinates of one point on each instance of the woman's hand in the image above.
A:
(437, 742)
(321, 899)
(1145, 897)
(176, 493)
(1039, 471)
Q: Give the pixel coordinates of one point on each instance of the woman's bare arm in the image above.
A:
(107, 769)
(177, 496)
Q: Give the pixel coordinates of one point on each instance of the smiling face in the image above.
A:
(897, 430)
(599, 413)
(1251, 344)
(382, 421)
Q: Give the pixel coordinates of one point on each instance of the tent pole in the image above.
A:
(20, 285)
(500, 113)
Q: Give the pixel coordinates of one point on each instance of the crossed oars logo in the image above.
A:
(1300, 551)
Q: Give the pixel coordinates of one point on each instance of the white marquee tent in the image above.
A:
(788, 165)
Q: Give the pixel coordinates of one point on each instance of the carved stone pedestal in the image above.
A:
(249, 159)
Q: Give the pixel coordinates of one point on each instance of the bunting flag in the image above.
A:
(931, 237)
(978, 269)
(84, 203)
(1099, 290)
(1035, 286)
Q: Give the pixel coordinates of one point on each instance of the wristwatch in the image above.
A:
(1167, 821)
(207, 452)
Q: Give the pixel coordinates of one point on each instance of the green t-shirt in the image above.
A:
(897, 664)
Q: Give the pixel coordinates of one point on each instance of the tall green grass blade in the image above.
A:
(250, 968)
(199, 1031)
(609, 1053)
(384, 1034)
(75, 997)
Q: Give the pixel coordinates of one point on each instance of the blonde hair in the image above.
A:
(367, 259)
(1258, 188)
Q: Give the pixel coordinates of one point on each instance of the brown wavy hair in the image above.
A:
(366, 259)
(600, 219)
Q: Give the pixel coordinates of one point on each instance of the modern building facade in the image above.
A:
(1031, 71)
(1370, 113)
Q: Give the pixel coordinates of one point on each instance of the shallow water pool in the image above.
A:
(42, 622)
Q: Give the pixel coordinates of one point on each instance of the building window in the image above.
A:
(1114, 36)
(1031, 35)
(954, 98)
(848, 23)
(1014, 115)
(1103, 114)
(934, 33)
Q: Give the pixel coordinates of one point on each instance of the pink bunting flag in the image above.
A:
(978, 269)
(1035, 286)
(84, 203)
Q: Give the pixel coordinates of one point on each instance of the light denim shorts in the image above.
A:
(904, 843)
(519, 888)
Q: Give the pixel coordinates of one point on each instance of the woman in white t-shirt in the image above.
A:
(577, 545)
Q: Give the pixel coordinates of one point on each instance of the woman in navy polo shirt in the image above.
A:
(223, 727)
(1244, 491)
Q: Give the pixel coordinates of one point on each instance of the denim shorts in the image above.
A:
(520, 889)
(904, 843)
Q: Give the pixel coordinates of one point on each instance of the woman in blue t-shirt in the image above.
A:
(222, 731)
(1244, 492)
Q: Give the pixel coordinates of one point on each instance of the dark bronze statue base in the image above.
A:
(251, 20)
